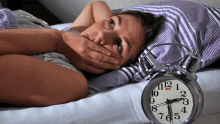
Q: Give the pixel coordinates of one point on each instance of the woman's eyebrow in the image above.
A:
(119, 20)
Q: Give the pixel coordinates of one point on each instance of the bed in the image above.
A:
(117, 105)
(109, 107)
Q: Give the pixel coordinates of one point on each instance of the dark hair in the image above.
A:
(151, 24)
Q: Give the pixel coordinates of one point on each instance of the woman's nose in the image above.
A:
(103, 37)
(100, 37)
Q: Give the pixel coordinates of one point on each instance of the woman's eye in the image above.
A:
(111, 22)
(119, 46)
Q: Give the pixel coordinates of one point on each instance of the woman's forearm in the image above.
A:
(92, 12)
(101, 10)
(29, 41)
(84, 20)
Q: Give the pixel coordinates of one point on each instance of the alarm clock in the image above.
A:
(172, 96)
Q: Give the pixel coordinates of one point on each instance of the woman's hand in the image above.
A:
(85, 54)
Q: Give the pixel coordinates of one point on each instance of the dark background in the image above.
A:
(33, 7)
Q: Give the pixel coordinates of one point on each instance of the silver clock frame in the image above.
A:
(185, 73)
(193, 87)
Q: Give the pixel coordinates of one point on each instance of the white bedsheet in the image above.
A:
(120, 105)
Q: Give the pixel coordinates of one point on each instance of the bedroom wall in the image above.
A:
(68, 10)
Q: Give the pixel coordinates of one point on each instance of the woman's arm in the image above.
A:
(28, 81)
(36, 41)
(101, 10)
(93, 12)
(29, 41)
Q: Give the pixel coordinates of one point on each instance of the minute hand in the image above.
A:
(170, 112)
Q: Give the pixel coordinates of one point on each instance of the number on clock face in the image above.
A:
(171, 89)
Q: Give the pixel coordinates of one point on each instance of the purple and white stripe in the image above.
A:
(196, 26)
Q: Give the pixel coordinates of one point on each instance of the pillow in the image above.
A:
(114, 11)
(194, 25)
(64, 26)
(8, 19)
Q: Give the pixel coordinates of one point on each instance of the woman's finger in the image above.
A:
(101, 64)
(102, 57)
(99, 48)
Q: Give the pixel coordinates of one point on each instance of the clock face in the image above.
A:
(170, 98)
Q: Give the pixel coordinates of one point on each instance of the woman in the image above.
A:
(106, 42)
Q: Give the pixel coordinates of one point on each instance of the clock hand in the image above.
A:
(161, 104)
(175, 100)
(170, 112)
(169, 102)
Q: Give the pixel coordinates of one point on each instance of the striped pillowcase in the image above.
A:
(194, 25)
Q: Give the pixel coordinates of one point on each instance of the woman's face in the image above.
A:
(122, 34)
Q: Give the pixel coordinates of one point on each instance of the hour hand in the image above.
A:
(175, 100)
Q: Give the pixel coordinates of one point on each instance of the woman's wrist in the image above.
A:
(62, 45)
